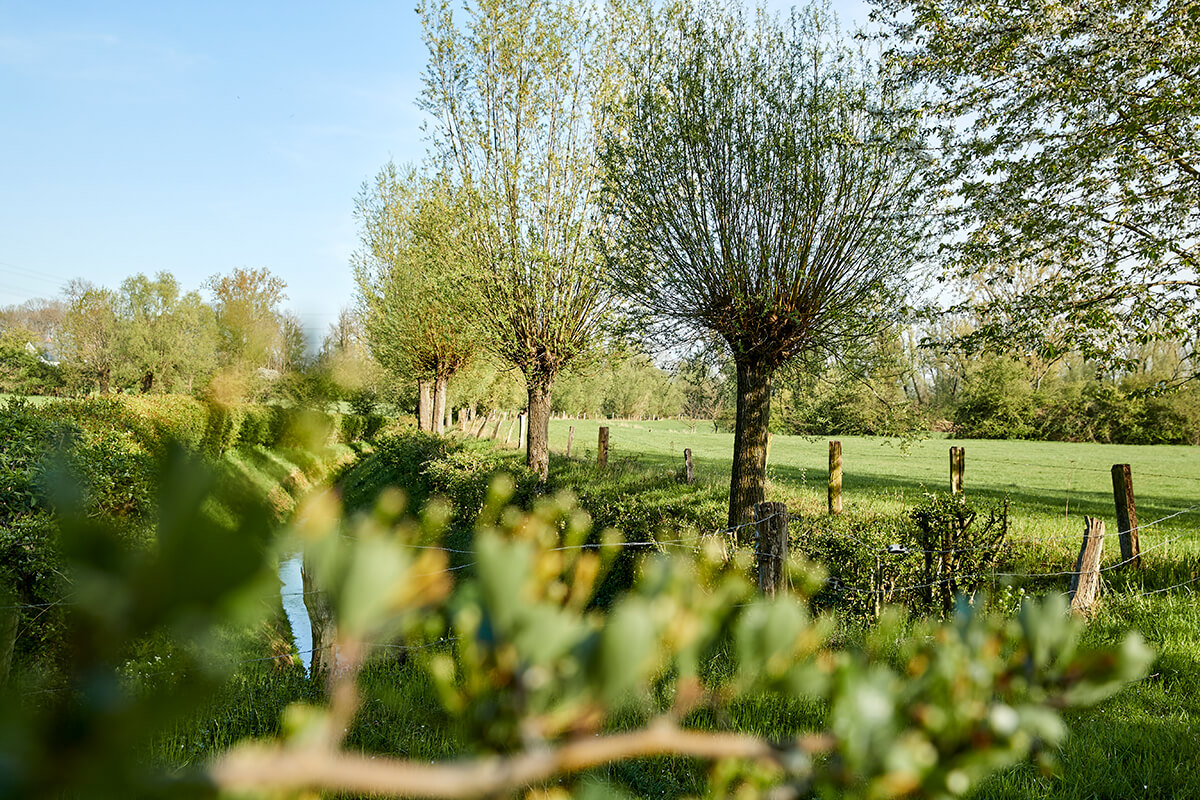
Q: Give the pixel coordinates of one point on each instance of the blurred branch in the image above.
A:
(268, 768)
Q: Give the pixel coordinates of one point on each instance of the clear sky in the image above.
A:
(197, 137)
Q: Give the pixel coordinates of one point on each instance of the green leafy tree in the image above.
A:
(91, 334)
(760, 180)
(1070, 138)
(246, 303)
(514, 95)
(169, 340)
(416, 285)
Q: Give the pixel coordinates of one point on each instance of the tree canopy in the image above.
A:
(1070, 136)
(514, 94)
(759, 180)
(416, 283)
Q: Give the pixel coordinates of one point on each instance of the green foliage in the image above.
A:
(86, 734)
(997, 403)
(531, 663)
(1000, 401)
(1070, 136)
(23, 369)
(957, 545)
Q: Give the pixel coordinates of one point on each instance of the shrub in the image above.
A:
(256, 427)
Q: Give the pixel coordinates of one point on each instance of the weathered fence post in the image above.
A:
(523, 442)
(1127, 522)
(570, 440)
(948, 584)
(878, 586)
(1085, 580)
(689, 473)
(772, 524)
(958, 460)
(482, 425)
(602, 448)
(835, 477)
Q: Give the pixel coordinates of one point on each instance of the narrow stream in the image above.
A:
(293, 605)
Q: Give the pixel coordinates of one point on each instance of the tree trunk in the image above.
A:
(10, 617)
(537, 453)
(439, 406)
(148, 381)
(103, 378)
(324, 626)
(424, 405)
(749, 443)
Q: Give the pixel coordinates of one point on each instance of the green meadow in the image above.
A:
(1141, 743)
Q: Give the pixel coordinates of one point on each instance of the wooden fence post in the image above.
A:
(958, 460)
(570, 440)
(482, 425)
(689, 473)
(772, 524)
(602, 448)
(1127, 522)
(1085, 580)
(835, 477)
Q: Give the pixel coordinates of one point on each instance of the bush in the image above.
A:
(256, 427)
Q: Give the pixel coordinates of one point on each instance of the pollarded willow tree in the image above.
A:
(761, 184)
(415, 281)
(1072, 140)
(514, 99)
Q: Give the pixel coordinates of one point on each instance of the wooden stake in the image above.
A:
(1085, 582)
(1127, 522)
(689, 473)
(835, 477)
(772, 524)
(958, 460)
(602, 448)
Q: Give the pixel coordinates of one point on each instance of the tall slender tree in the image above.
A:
(760, 180)
(515, 96)
(415, 283)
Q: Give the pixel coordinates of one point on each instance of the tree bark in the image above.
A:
(324, 626)
(749, 443)
(439, 406)
(424, 405)
(537, 452)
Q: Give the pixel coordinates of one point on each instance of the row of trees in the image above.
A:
(712, 176)
(148, 335)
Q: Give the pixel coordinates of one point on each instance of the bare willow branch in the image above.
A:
(278, 769)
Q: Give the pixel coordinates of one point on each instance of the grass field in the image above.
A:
(1051, 485)
(1141, 743)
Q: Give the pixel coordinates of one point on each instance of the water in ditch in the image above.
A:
(293, 605)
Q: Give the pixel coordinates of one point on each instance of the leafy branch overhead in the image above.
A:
(1069, 140)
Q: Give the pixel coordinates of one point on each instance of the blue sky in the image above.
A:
(199, 137)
